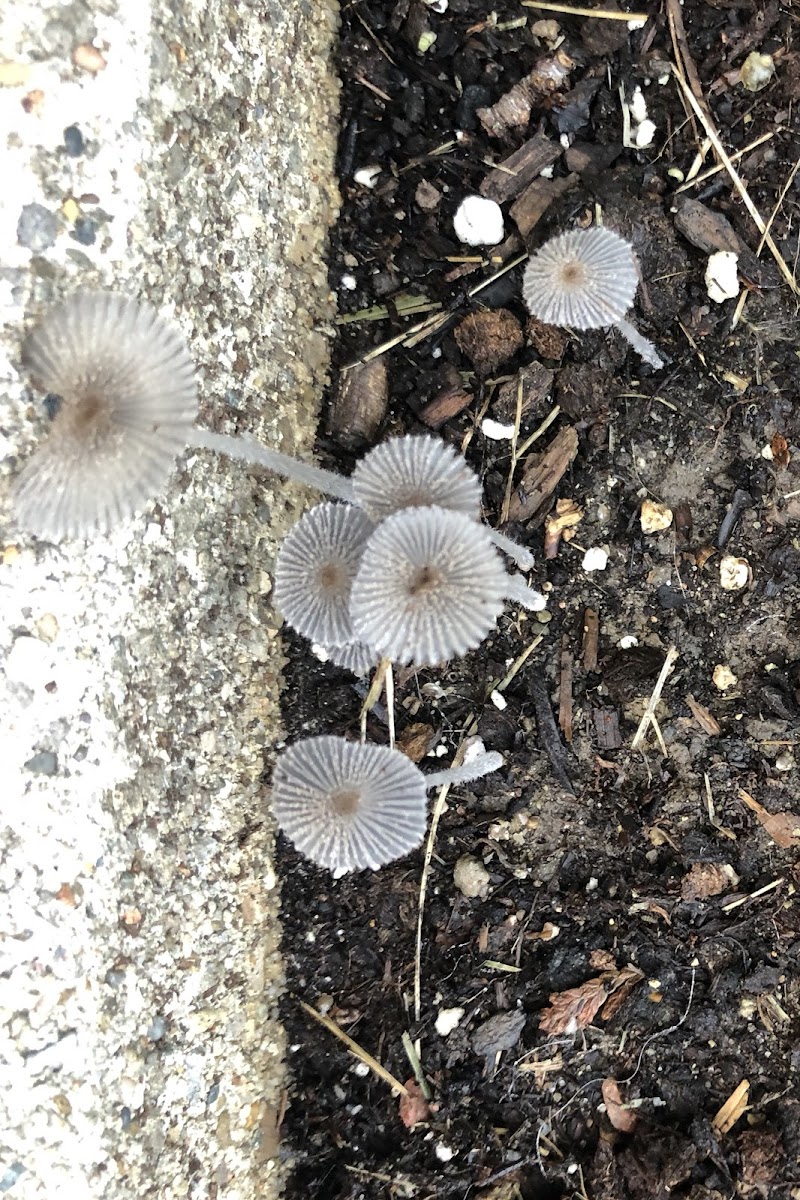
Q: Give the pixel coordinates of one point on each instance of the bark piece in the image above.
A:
(541, 477)
(534, 202)
(360, 405)
(516, 172)
(536, 381)
(513, 109)
(445, 405)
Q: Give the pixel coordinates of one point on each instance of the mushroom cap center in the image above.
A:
(424, 580)
(573, 274)
(330, 576)
(345, 801)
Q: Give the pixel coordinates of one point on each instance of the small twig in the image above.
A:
(372, 696)
(762, 891)
(514, 456)
(565, 690)
(776, 209)
(607, 14)
(591, 632)
(649, 717)
(354, 1048)
(707, 174)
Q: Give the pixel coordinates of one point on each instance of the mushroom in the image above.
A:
(128, 404)
(128, 395)
(415, 471)
(315, 568)
(349, 807)
(430, 587)
(586, 279)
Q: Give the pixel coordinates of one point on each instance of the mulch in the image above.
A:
(608, 1000)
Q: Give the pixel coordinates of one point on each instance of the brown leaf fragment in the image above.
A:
(619, 1116)
(534, 202)
(602, 960)
(732, 1109)
(620, 986)
(489, 338)
(763, 1155)
(703, 716)
(416, 740)
(573, 1009)
(708, 879)
(360, 404)
(500, 1032)
(414, 1108)
(780, 450)
(516, 172)
(88, 58)
(782, 827)
(541, 476)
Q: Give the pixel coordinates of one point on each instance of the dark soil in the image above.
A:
(641, 877)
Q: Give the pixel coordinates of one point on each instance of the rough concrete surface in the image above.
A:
(139, 970)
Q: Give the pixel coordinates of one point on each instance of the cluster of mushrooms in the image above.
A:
(397, 568)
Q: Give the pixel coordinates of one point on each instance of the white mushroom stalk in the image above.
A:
(242, 448)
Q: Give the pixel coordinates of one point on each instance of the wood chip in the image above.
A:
(535, 382)
(565, 690)
(513, 109)
(516, 172)
(541, 476)
(606, 724)
(591, 633)
(732, 1109)
(445, 405)
(534, 202)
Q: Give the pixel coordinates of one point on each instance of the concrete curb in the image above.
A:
(140, 1046)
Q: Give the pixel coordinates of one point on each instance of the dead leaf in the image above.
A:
(619, 1116)
(782, 827)
(780, 450)
(703, 717)
(732, 1109)
(574, 1009)
(602, 960)
(414, 1107)
(620, 986)
(708, 879)
(416, 739)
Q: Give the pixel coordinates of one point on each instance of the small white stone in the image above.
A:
(645, 133)
(638, 106)
(723, 677)
(447, 1020)
(367, 176)
(361, 1069)
(444, 1153)
(349, 282)
(474, 748)
(499, 700)
(496, 430)
(734, 573)
(722, 279)
(471, 877)
(438, 6)
(766, 452)
(547, 172)
(628, 641)
(595, 559)
(636, 23)
(319, 652)
(479, 222)
(655, 517)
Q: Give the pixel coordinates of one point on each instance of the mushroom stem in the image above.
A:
(281, 464)
(522, 557)
(484, 764)
(642, 345)
(526, 596)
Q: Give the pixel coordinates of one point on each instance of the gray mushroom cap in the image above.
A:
(585, 279)
(415, 471)
(128, 402)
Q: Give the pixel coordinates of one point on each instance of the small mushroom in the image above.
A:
(315, 569)
(586, 279)
(350, 807)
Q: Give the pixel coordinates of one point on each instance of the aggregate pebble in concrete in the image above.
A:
(140, 1049)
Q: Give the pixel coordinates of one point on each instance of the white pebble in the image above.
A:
(645, 133)
(367, 176)
(595, 559)
(444, 1153)
(448, 1019)
(722, 279)
(496, 430)
(479, 222)
(499, 700)
(349, 282)
(628, 641)
(734, 573)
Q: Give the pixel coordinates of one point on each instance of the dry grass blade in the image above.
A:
(399, 1088)
(704, 175)
(737, 183)
(649, 717)
(733, 1108)
(569, 10)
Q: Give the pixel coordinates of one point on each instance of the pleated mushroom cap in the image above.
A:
(129, 400)
(584, 279)
(348, 807)
(429, 588)
(355, 656)
(315, 569)
(412, 471)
